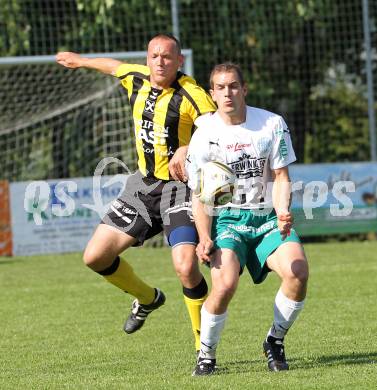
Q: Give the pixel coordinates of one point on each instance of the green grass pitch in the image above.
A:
(61, 327)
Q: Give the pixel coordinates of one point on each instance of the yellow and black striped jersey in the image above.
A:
(163, 118)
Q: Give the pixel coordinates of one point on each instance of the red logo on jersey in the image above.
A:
(237, 146)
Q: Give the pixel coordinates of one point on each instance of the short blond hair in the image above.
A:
(170, 37)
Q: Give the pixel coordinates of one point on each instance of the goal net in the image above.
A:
(58, 123)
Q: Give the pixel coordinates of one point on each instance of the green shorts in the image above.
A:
(252, 237)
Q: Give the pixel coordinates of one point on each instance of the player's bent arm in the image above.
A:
(75, 60)
(281, 199)
(281, 190)
(203, 223)
(177, 164)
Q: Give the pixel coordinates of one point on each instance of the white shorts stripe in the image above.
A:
(120, 214)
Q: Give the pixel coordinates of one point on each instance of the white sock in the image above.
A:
(210, 330)
(285, 313)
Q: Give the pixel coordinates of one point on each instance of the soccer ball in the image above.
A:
(216, 183)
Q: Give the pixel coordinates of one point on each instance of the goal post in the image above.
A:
(126, 55)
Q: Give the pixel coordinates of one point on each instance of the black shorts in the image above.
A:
(149, 206)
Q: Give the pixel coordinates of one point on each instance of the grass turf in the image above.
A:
(61, 327)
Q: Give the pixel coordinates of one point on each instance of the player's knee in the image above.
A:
(302, 272)
(298, 272)
(184, 267)
(91, 257)
(185, 263)
(225, 290)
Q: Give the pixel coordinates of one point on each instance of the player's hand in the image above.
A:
(285, 222)
(177, 164)
(204, 250)
(69, 59)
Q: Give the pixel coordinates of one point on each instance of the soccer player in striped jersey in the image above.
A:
(255, 228)
(164, 103)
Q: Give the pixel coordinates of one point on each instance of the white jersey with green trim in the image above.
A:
(252, 149)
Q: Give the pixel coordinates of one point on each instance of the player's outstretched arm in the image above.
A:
(75, 60)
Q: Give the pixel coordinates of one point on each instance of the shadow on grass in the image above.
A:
(335, 360)
(296, 364)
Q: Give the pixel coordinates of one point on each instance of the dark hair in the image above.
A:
(226, 67)
(168, 36)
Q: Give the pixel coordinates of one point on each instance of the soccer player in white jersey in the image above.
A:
(255, 229)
